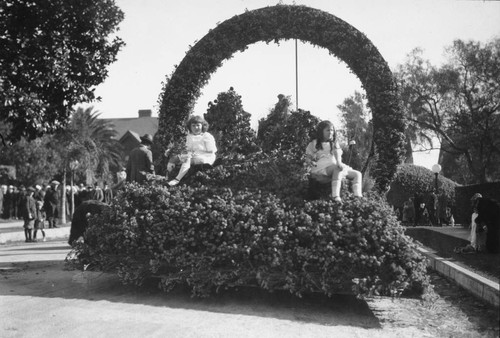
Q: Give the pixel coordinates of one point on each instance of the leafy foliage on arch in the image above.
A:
(282, 22)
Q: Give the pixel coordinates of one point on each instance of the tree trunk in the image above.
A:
(408, 151)
(89, 178)
(371, 154)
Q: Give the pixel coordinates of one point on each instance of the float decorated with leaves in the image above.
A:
(284, 22)
(249, 223)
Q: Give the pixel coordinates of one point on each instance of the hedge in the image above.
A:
(419, 182)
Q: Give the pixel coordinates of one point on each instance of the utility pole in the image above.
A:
(296, 76)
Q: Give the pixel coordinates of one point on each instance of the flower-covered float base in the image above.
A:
(210, 238)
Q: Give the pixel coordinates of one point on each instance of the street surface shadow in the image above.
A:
(52, 279)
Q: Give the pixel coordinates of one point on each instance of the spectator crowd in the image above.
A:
(41, 206)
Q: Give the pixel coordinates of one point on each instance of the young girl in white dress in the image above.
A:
(200, 149)
(325, 157)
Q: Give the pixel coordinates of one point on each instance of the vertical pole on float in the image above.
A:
(296, 77)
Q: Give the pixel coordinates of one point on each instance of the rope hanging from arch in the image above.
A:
(284, 22)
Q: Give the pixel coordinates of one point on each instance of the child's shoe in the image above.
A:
(173, 183)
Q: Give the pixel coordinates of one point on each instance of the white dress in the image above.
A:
(324, 157)
(201, 147)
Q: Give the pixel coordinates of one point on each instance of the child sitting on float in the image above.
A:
(324, 156)
(200, 149)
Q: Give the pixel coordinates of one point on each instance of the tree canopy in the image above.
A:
(459, 104)
(357, 123)
(52, 55)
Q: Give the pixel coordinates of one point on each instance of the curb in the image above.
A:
(480, 286)
(54, 233)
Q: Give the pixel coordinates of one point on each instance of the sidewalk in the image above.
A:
(12, 231)
(487, 289)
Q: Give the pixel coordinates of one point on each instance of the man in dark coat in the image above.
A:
(140, 161)
(51, 204)
(108, 193)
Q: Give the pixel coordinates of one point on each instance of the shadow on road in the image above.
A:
(53, 280)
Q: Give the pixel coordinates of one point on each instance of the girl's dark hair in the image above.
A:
(197, 119)
(319, 135)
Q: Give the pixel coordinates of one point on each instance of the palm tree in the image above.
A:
(92, 142)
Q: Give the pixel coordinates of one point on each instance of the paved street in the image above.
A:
(41, 298)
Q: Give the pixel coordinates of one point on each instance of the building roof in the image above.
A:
(132, 135)
(144, 124)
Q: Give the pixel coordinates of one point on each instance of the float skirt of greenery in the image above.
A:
(210, 238)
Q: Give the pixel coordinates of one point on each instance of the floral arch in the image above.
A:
(282, 22)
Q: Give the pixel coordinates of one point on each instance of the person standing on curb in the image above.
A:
(51, 204)
(488, 221)
(29, 213)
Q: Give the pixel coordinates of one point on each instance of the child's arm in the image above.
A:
(210, 146)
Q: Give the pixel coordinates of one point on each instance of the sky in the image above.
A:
(158, 33)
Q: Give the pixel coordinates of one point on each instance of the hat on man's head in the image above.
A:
(54, 182)
(38, 187)
(147, 139)
(476, 196)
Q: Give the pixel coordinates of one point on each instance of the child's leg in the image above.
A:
(356, 182)
(34, 233)
(26, 234)
(184, 169)
(336, 184)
